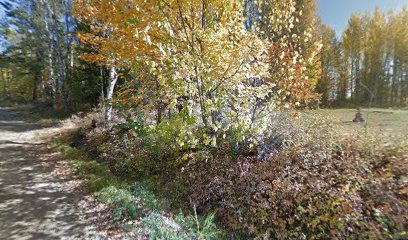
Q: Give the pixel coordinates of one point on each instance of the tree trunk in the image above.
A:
(394, 85)
(5, 85)
(60, 61)
(3, 75)
(358, 81)
(70, 55)
(113, 78)
(50, 61)
(43, 88)
(3, 79)
(404, 90)
(52, 83)
(61, 79)
(55, 40)
(102, 86)
(37, 78)
(35, 91)
(352, 79)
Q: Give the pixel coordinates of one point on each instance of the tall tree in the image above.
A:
(27, 41)
(330, 62)
(397, 35)
(120, 32)
(352, 42)
(373, 53)
(37, 39)
(49, 51)
(375, 49)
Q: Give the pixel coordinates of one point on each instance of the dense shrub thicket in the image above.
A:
(340, 191)
(300, 182)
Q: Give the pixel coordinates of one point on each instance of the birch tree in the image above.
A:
(119, 32)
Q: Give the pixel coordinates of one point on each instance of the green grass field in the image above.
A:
(379, 122)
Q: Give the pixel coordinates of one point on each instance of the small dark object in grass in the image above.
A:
(93, 124)
(359, 117)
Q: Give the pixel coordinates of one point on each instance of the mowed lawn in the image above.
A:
(379, 121)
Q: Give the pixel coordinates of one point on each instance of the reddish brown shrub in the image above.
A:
(346, 191)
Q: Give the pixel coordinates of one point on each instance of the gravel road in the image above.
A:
(33, 202)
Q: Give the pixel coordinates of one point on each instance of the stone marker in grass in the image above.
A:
(359, 117)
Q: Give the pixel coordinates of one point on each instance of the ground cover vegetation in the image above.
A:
(200, 108)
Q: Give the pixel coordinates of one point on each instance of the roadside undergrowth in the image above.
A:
(313, 182)
(135, 205)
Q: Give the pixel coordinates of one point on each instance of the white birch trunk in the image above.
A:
(67, 13)
(113, 78)
(60, 61)
(49, 54)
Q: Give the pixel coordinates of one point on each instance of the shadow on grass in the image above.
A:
(38, 112)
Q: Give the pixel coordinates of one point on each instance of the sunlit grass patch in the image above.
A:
(379, 121)
(182, 227)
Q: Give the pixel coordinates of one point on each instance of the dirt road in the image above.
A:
(33, 202)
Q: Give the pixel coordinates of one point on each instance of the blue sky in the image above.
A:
(336, 13)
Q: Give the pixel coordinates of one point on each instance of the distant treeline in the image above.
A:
(368, 65)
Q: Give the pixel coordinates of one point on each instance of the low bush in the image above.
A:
(128, 151)
(133, 200)
(347, 190)
(124, 204)
(298, 182)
